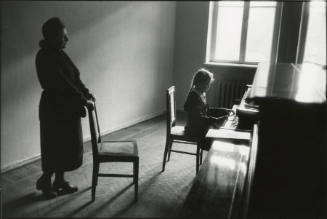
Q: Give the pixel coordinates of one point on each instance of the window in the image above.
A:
(312, 44)
(242, 32)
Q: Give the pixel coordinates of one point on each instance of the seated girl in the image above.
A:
(199, 116)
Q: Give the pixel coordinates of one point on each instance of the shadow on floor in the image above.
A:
(104, 205)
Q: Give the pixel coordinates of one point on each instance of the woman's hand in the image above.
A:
(89, 104)
(92, 97)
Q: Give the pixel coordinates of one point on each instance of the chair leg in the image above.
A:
(94, 178)
(169, 149)
(136, 178)
(197, 159)
(168, 143)
(201, 153)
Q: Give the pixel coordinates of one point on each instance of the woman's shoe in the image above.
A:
(46, 189)
(64, 187)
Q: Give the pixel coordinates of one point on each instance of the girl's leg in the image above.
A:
(205, 143)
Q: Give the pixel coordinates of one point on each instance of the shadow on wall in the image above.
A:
(22, 24)
(99, 39)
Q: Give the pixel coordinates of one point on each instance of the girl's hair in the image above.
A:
(201, 76)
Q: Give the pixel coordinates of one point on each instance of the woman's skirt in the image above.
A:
(61, 144)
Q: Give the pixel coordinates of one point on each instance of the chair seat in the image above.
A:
(118, 149)
(178, 132)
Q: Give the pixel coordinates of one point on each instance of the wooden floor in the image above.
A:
(160, 194)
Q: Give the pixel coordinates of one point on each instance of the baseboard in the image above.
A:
(23, 162)
(127, 124)
(20, 163)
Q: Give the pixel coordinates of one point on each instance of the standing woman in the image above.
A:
(60, 110)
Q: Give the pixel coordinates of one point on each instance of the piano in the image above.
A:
(219, 189)
(280, 172)
(289, 177)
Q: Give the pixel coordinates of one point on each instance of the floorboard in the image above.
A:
(160, 194)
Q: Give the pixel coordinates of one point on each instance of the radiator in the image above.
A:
(226, 93)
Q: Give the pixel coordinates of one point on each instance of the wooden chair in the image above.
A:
(176, 133)
(111, 151)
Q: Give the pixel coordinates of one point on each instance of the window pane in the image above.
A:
(228, 36)
(260, 33)
(263, 4)
(315, 44)
(231, 3)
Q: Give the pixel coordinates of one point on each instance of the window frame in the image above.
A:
(303, 32)
(212, 30)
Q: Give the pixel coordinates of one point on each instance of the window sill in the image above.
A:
(230, 64)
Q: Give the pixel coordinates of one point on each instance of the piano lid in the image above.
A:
(305, 83)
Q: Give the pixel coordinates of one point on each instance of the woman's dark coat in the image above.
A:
(60, 110)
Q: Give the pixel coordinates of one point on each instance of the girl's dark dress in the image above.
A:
(198, 120)
(60, 110)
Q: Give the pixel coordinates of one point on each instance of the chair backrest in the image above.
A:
(94, 129)
(171, 108)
